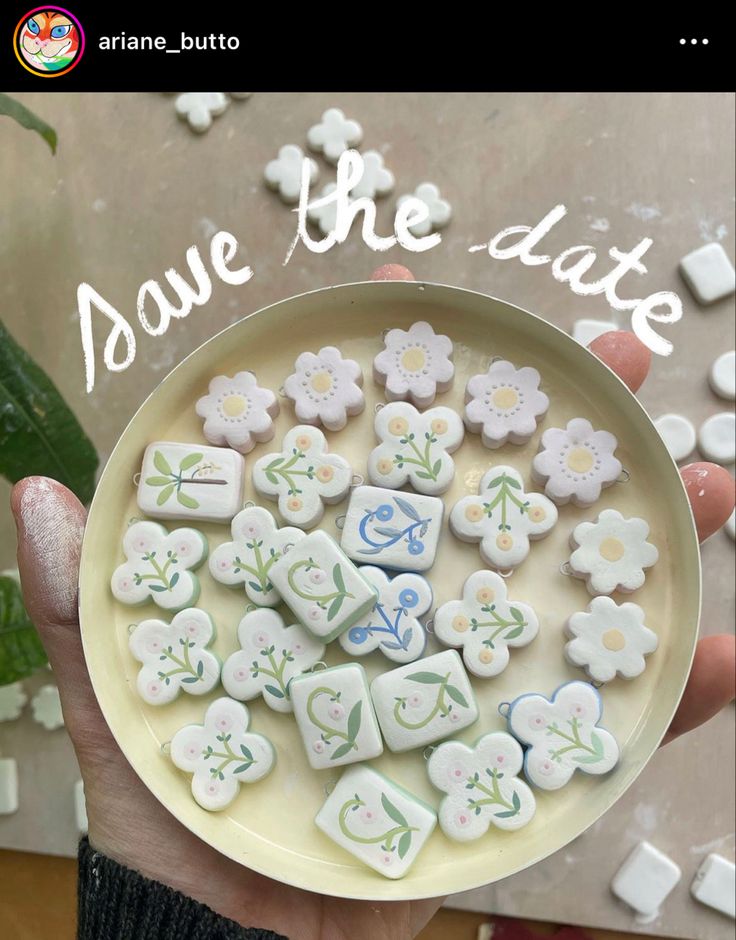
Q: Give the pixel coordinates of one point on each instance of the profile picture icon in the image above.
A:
(49, 41)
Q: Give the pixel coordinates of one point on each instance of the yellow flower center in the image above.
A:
(384, 466)
(460, 624)
(485, 656)
(485, 595)
(537, 514)
(580, 460)
(613, 640)
(474, 513)
(235, 405)
(505, 398)
(303, 442)
(398, 426)
(413, 359)
(325, 474)
(504, 541)
(321, 382)
(439, 426)
(612, 549)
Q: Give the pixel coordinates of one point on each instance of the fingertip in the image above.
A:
(625, 354)
(392, 272)
(710, 686)
(710, 489)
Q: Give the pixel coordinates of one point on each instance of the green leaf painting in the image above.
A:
(21, 652)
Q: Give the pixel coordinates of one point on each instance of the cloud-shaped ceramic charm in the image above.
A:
(576, 463)
(325, 388)
(610, 640)
(334, 134)
(237, 412)
(376, 180)
(504, 404)
(612, 553)
(439, 210)
(415, 364)
(198, 108)
(284, 174)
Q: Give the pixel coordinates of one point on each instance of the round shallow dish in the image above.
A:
(269, 827)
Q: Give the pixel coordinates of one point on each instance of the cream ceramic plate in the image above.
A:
(269, 826)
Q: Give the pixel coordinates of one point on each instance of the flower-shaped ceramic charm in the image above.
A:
(12, 700)
(325, 388)
(376, 180)
(221, 754)
(612, 553)
(393, 626)
(174, 656)
(503, 518)
(158, 566)
(324, 214)
(237, 412)
(46, 708)
(415, 448)
(562, 735)
(415, 364)
(610, 640)
(576, 463)
(257, 545)
(485, 623)
(303, 476)
(438, 213)
(198, 108)
(334, 134)
(482, 786)
(284, 174)
(270, 655)
(504, 404)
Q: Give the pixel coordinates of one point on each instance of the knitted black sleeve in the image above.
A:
(116, 903)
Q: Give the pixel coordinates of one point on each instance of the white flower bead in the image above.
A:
(415, 364)
(376, 179)
(325, 388)
(576, 463)
(439, 210)
(609, 639)
(46, 708)
(12, 700)
(238, 412)
(284, 174)
(504, 404)
(334, 134)
(199, 107)
(612, 553)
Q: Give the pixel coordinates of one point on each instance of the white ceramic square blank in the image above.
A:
(645, 879)
(708, 273)
(8, 786)
(715, 884)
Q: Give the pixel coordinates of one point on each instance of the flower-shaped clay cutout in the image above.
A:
(175, 657)
(325, 388)
(610, 639)
(199, 107)
(503, 518)
(576, 462)
(376, 179)
(46, 708)
(12, 700)
(439, 210)
(485, 623)
(303, 476)
(158, 566)
(415, 364)
(238, 412)
(393, 626)
(482, 786)
(612, 553)
(504, 404)
(270, 655)
(334, 134)
(562, 735)
(284, 174)
(257, 545)
(324, 215)
(221, 754)
(415, 447)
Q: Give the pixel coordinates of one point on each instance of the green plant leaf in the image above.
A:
(506, 814)
(456, 695)
(335, 607)
(404, 844)
(158, 481)
(516, 614)
(510, 481)
(428, 678)
(437, 466)
(187, 501)
(424, 476)
(516, 802)
(512, 634)
(164, 494)
(274, 691)
(174, 579)
(596, 744)
(21, 652)
(161, 463)
(190, 460)
(391, 811)
(271, 477)
(338, 578)
(246, 752)
(341, 751)
(354, 720)
(38, 432)
(587, 759)
(20, 113)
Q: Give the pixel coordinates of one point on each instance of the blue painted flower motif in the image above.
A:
(380, 537)
(408, 598)
(358, 635)
(415, 547)
(384, 512)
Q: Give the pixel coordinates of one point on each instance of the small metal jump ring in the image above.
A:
(625, 476)
(287, 548)
(384, 333)
(166, 747)
(282, 392)
(357, 480)
(131, 628)
(249, 504)
(136, 478)
(503, 708)
(596, 684)
(133, 520)
(329, 787)
(429, 751)
(507, 573)
(250, 608)
(319, 667)
(429, 626)
(496, 359)
(566, 569)
(377, 407)
(340, 522)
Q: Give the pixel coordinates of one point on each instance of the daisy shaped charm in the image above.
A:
(198, 108)
(415, 448)
(284, 174)
(562, 735)
(612, 553)
(158, 566)
(303, 476)
(415, 364)
(334, 134)
(503, 518)
(325, 388)
(221, 754)
(175, 657)
(270, 655)
(576, 463)
(376, 179)
(485, 624)
(237, 412)
(482, 786)
(257, 545)
(46, 708)
(504, 404)
(609, 640)
(438, 211)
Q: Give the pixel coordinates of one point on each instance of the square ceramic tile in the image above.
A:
(708, 273)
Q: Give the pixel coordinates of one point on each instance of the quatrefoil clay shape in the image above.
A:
(199, 107)
(503, 518)
(334, 134)
(284, 174)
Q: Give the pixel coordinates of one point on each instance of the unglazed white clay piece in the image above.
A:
(376, 820)
(715, 884)
(612, 553)
(678, 435)
(270, 655)
(221, 754)
(325, 388)
(393, 626)
(504, 404)
(562, 735)
(722, 376)
(323, 588)
(257, 545)
(414, 447)
(334, 134)
(376, 179)
(158, 566)
(303, 476)
(708, 273)
(576, 463)
(324, 215)
(198, 108)
(8, 786)
(12, 700)
(189, 481)
(482, 786)
(80, 807)
(415, 364)
(394, 530)
(237, 412)
(503, 518)
(174, 656)
(717, 438)
(485, 624)
(610, 640)
(585, 331)
(46, 708)
(335, 715)
(284, 174)
(645, 880)
(424, 701)
(439, 210)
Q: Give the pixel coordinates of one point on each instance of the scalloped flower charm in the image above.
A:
(221, 754)
(284, 174)
(237, 412)
(198, 108)
(325, 388)
(415, 364)
(12, 700)
(482, 786)
(562, 735)
(485, 624)
(334, 134)
(438, 213)
(610, 640)
(504, 404)
(46, 708)
(576, 463)
(612, 553)
(503, 518)
(376, 180)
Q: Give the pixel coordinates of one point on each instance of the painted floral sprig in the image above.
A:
(396, 838)
(336, 712)
(226, 756)
(493, 796)
(440, 706)
(172, 481)
(329, 600)
(411, 533)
